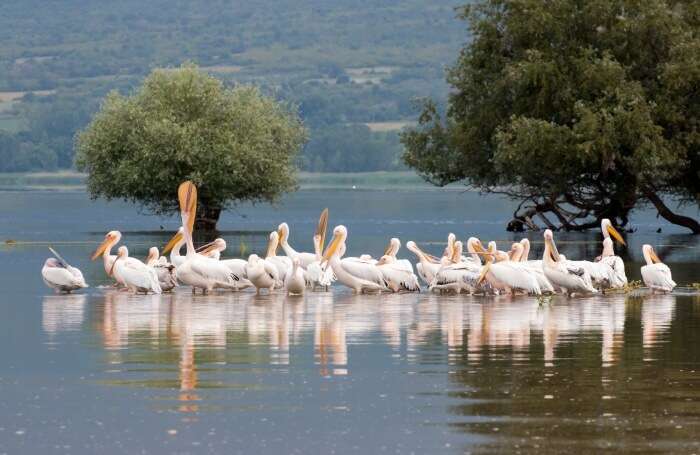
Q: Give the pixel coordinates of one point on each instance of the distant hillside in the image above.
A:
(352, 66)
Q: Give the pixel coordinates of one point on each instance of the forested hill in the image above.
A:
(352, 66)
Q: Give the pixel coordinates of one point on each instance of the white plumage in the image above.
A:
(656, 274)
(61, 276)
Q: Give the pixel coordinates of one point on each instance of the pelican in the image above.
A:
(608, 256)
(236, 266)
(454, 274)
(294, 282)
(396, 276)
(137, 276)
(358, 275)
(560, 272)
(196, 270)
(61, 276)
(392, 250)
(427, 266)
(283, 263)
(509, 273)
(656, 274)
(262, 274)
(164, 270)
(520, 254)
(105, 250)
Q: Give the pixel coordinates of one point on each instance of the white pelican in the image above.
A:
(164, 270)
(283, 263)
(236, 266)
(262, 274)
(137, 276)
(396, 276)
(358, 275)
(656, 274)
(454, 274)
(294, 282)
(520, 252)
(196, 270)
(427, 266)
(509, 273)
(392, 250)
(608, 256)
(61, 276)
(560, 272)
(105, 250)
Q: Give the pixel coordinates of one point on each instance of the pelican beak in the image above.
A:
(322, 228)
(554, 252)
(484, 271)
(332, 248)
(171, 243)
(111, 270)
(187, 195)
(616, 235)
(101, 249)
(281, 234)
(654, 258)
(387, 250)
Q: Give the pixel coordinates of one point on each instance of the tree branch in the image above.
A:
(669, 215)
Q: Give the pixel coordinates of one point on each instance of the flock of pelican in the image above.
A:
(478, 270)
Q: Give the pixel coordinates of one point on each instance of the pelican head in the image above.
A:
(526, 249)
(457, 252)
(111, 239)
(283, 233)
(516, 252)
(153, 255)
(52, 262)
(550, 248)
(608, 230)
(177, 238)
(340, 233)
(216, 245)
(393, 248)
(650, 255)
(272, 244)
(449, 249)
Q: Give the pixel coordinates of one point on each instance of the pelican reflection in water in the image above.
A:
(205, 331)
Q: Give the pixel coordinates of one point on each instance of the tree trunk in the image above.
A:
(207, 217)
(671, 217)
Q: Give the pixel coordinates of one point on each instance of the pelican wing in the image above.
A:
(462, 273)
(139, 275)
(212, 269)
(399, 278)
(658, 277)
(363, 269)
(515, 275)
(618, 266)
(60, 277)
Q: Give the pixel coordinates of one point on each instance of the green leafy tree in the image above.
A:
(580, 109)
(234, 144)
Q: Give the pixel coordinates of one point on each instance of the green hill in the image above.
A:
(352, 66)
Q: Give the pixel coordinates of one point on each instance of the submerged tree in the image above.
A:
(234, 144)
(582, 110)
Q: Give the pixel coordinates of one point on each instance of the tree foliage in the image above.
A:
(580, 109)
(234, 144)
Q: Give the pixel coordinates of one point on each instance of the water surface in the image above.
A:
(332, 372)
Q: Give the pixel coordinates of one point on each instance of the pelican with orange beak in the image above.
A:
(609, 257)
(174, 245)
(360, 276)
(509, 272)
(196, 270)
(656, 274)
(137, 276)
(304, 258)
(105, 250)
(561, 273)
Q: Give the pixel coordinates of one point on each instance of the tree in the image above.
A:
(234, 144)
(582, 110)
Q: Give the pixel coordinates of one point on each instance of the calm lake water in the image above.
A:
(333, 372)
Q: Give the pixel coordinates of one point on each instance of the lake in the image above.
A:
(332, 372)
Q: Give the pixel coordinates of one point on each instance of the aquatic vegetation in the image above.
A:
(543, 300)
(632, 285)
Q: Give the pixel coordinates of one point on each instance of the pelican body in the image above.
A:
(570, 279)
(357, 274)
(61, 276)
(294, 282)
(164, 270)
(656, 274)
(137, 276)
